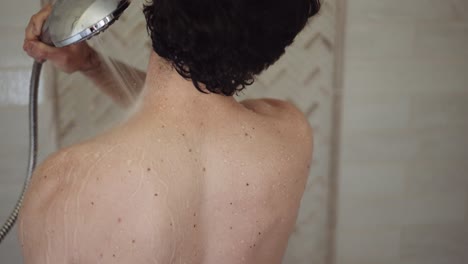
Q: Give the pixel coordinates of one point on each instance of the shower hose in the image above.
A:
(33, 95)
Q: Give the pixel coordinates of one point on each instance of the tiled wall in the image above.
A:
(403, 182)
(15, 69)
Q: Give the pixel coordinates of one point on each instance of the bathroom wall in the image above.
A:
(15, 69)
(403, 181)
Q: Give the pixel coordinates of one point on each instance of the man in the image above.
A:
(192, 176)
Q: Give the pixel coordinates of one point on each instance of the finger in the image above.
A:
(47, 9)
(34, 28)
(40, 19)
(40, 51)
(29, 32)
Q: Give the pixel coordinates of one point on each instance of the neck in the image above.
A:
(165, 89)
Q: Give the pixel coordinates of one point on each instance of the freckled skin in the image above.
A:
(221, 187)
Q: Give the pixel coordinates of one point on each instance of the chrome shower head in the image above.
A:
(72, 21)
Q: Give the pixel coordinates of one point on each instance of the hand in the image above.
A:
(70, 59)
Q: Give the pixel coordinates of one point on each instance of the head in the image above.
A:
(221, 45)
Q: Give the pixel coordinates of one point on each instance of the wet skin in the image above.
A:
(188, 178)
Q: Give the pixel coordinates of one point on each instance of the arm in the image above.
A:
(82, 58)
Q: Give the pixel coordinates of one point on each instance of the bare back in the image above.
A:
(187, 188)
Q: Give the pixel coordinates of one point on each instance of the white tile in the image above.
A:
(369, 211)
(441, 41)
(434, 208)
(405, 76)
(376, 112)
(379, 40)
(368, 245)
(14, 87)
(424, 258)
(14, 17)
(14, 123)
(11, 54)
(303, 250)
(461, 9)
(17, 13)
(437, 177)
(445, 109)
(441, 143)
(372, 179)
(400, 10)
(421, 65)
(443, 243)
(9, 195)
(389, 146)
(10, 252)
(15, 133)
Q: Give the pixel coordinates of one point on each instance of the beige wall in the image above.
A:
(403, 184)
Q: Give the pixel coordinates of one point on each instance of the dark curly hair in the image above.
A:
(223, 44)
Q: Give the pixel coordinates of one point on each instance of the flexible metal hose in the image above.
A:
(33, 94)
(97, 28)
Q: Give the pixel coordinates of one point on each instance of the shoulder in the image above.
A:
(282, 150)
(58, 162)
(283, 115)
(285, 124)
(271, 107)
(69, 161)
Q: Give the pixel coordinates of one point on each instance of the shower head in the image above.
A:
(72, 21)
